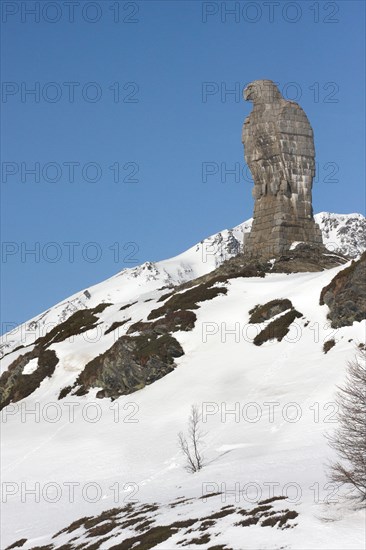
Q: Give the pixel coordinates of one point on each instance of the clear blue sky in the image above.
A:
(159, 56)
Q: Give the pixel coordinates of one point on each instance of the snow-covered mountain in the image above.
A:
(345, 233)
(265, 408)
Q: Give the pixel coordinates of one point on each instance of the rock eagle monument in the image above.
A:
(279, 150)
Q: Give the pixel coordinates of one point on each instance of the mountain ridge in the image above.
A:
(232, 367)
(345, 233)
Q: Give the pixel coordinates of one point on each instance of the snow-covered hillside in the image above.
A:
(266, 410)
(345, 233)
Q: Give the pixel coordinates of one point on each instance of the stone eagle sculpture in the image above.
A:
(279, 150)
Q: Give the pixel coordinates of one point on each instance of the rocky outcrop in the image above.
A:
(130, 364)
(144, 525)
(264, 312)
(346, 295)
(304, 258)
(148, 350)
(278, 328)
(279, 150)
(15, 385)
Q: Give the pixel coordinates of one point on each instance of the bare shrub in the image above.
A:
(191, 447)
(349, 440)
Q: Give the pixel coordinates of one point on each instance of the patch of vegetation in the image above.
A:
(181, 501)
(280, 519)
(100, 307)
(77, 323)
(149, 508)
(206, 524)
(172, 322)
(210, 495)
(163, 297)
(64, 392)
(16, 386)
(127, 306)
(102, 529)
(221, 514)
(132, 521)
(144, 525)
(247, 522)
(204, 539)
(110, 514)
(259, 509)
(17, 544)
(13, 350)
(277, 329)
(82, 390)
(272, 499)
(73, 526)
(95, 546)
(153, 537)
(115, 325)
(188, 299)
(261, 313)
(329, 344)
(147, 536)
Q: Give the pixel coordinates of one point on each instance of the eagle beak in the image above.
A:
(246, 93)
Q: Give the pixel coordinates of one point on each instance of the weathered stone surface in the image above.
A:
(130, 364)
(14, 385)
(264, 312)
(303, 258)
(346, 295)
(279, 150)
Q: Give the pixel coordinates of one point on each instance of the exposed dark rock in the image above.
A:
(79, 322)
(277, 329)
(304, 258)
(346, 295)
(17, 544)
(329, 344)
(127, 306)
(141, 528)
(280, 519)
(189, 299)
(307, 257)
(64, 392)
(130, 364)
(262, 313)
(203, 539)
(136, 360)
(116, 324)
(14, 385)
(171, 322)
(272, 499)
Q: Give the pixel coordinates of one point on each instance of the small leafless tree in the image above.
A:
(349, 440)
(191, 447)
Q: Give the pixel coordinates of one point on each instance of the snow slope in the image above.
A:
(341, 232)
(83, 455)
